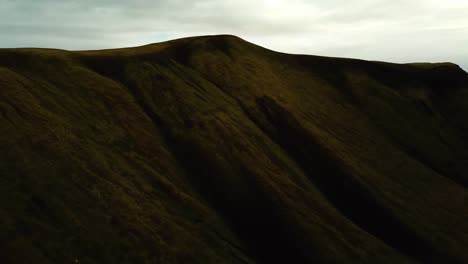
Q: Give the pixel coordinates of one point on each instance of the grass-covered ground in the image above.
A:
(214, 150)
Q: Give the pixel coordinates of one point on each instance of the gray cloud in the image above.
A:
(398, 30)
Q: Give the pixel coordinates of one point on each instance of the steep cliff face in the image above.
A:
(214, 150)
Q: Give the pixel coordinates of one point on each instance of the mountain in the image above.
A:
(215, 150)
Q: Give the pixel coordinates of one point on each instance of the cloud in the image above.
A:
(398, 30)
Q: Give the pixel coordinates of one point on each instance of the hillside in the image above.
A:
(215, 150)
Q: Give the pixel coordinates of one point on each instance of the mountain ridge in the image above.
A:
(213, 149)
(232, 38)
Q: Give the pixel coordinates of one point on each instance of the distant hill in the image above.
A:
(215, 150)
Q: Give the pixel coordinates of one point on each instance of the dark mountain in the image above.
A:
(215, 150)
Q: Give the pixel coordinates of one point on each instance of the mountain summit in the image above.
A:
(215, 150)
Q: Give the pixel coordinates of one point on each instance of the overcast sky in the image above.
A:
(391, 30)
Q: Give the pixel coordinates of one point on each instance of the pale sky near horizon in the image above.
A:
(388, 30)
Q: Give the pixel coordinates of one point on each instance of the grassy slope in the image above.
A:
(214, 150)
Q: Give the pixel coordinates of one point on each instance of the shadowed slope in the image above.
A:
(214, 150)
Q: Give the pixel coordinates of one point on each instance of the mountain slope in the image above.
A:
(214, 150)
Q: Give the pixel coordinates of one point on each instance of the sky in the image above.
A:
(388, 30)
